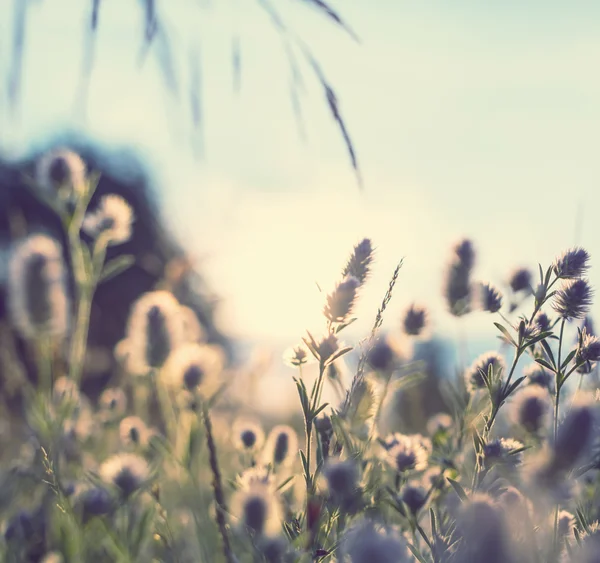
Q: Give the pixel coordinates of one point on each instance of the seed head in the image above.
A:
(359, 263)
(539, 375)
(248, 435)
(502, 450)
(572, 263)
(542, 322)
(61, 169)
(112, 219)
(481, 368)
(127, 472)
(407, 452)
(37, 288)
(296, 356)
(194, 367)
(282, 445)
(92, 501)
(520, 280)
(414, 497)
(532, 408)
(414, 320)
(588, 349)
(365, 542)
(573, 439)
(438, 423)
(381, 357)
(573, 299)
(491, 298)
(342, 478)
(133, 432)
(113, 403)
(155, 329)
(341, 301)
(258, 509)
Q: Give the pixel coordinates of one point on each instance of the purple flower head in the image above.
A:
(491, 298)
(465, 253)
(414, 320)
(358, 265)
(532, 408)
(588, 351)
(542, 322)
(572, 263)
(381, 356)
(520, 280)
(481, 367)
(341, 301)
(573, 299)
(539, 376)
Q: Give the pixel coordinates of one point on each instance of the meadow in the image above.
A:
(163, 463)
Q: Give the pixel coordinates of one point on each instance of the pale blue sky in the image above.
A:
(469, 118)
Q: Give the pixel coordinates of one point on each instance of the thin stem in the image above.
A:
(217, 486)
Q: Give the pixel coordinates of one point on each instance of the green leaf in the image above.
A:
(286, 482)
(504, 331)
(549, 353)
(548, 274)
(568, 359)
(338, 354)
(117, 266)
(544, 363)
(514, 385)
(433, 523)
(416, 553)
(458, 488)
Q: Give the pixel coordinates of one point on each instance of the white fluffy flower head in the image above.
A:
(112, 219)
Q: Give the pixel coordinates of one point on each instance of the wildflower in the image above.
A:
(61, 169)
(381, 356)
(37, 288)
(281, 446)
(531, 408)
(520, 280)
(327, 347)
(194, 367)
(491, 298)
(92, 501)
(542, 322)
(484, 531)
(342, 478)
(296, 356)
(573, 439)
(341, 301)
(414, 320)
(539, 375)
(20, 526)
(573, 299)
(155, 329)
(439, 423)
(113, 403)
(572, 263)
(133, 432)
(588, 349)
(407, 453)
(503, 450)
(248, 435)
(481, 367)
(414, 497)
(365, 542)
(127, 472)
(359, 263)
(258, 509)
(458, 283)
(112, 219)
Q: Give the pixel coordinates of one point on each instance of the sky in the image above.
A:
(477, 119)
